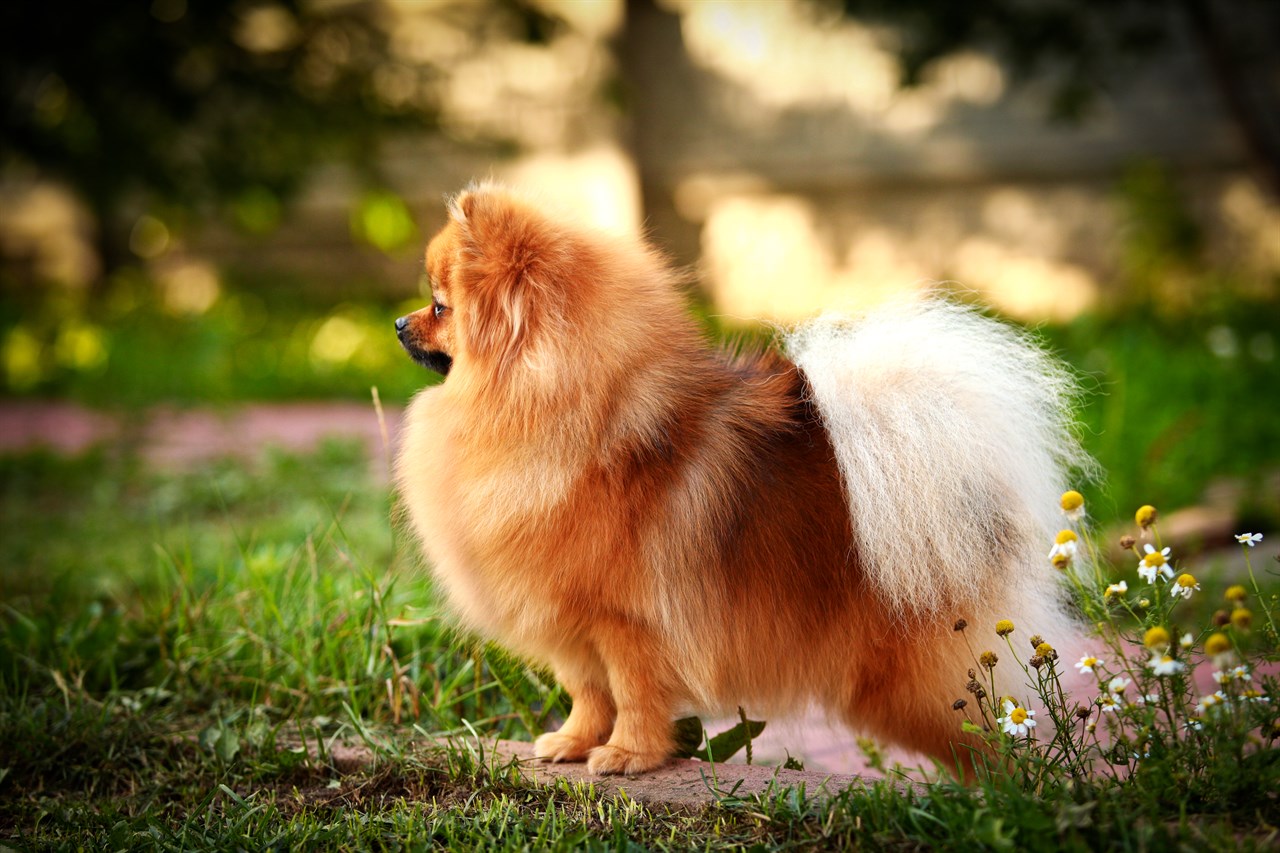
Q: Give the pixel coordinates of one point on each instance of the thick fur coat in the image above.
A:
(672, 529)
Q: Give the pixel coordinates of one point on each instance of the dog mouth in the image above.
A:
(436, 360)
(431, 359)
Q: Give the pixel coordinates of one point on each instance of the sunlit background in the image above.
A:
(227, 201)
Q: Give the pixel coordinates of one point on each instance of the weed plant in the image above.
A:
(1151, 731)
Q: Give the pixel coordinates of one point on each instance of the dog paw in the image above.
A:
(611, 760)
(557, 746)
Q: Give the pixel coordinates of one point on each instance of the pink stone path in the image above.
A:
(175, 438)
(170, 437)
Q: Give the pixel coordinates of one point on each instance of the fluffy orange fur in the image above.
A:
(661, 524)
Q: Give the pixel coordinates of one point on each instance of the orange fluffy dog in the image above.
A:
(672, 529)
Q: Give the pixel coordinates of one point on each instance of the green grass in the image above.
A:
(283, 585)
(1174, 405)
(165, 640)
(258, 341)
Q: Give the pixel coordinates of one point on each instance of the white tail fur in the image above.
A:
(953, 434)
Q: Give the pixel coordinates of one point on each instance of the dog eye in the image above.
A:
(437, 309)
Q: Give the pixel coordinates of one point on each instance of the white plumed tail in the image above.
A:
(953, 433)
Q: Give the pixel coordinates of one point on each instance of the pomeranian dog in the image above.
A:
(674, 529)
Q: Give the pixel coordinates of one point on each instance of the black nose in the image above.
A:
(401, 322)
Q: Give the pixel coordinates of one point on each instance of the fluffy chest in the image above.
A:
(488, 517)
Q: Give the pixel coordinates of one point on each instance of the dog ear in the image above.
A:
(505, 252)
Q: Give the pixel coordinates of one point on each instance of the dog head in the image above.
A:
(531, 302)
(429, 334)
(502, 276)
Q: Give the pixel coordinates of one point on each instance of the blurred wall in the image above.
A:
(766, 146)
(777, 153)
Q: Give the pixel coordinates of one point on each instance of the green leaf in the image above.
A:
(725, 745)
(222, 740)
(688, 737)
(228, 744)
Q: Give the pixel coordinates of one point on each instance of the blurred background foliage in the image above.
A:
(191, 111)
(215, 201)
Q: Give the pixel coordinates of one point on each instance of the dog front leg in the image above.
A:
(589, 722)
(640, 680)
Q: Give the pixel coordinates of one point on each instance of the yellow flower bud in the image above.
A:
(1004, 627)
(1145, 516)
(1072, 501)
(1242, 618)
(1156, 638)
(1236, 593)
(1217, 644)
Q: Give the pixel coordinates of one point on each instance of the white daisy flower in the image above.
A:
(1060, 557)
(1249, 539)
(1114, 699)
(1187, 641)
(1213, 700)
(1087, 663)
(1116, 589)
(1165, 665)
(1194, 725)
(1073, 505)
(1066, 549)
(1148, 699)
(1236, 673)
(1070, 548)
(1017, 721)
(1184, 586)
(1154, 564)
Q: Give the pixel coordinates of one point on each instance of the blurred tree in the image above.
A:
(1086, 47)
(200, 108)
